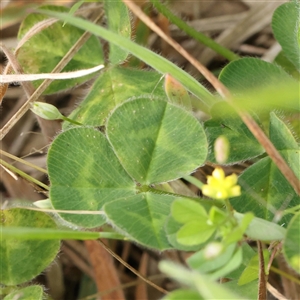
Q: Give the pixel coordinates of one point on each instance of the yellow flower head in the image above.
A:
(220, 187)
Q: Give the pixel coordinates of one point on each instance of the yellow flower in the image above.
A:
(220, 187)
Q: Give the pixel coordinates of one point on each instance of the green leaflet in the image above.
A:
(260, 86)
(184, 210)
(119, 22)
(171, 228)
(85, 174)
(248, 253)
(195, 229)
(250, 73)
(286, 64)
(262, 230)
(286, 28)
(30, 292)
(142, 218)
(225, 122)
(114, 86)
(146, 145)
(266, 191)
(156, 141)
(251, 272)
(40, 54)
(34, 255)
(291, 243)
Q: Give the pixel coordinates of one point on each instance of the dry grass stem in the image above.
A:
(2, 152)
(256, 19)
(275, 292)
(117, 257)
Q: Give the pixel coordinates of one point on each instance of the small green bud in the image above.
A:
(213, 250)
(221, 149)
(176, 92)
(46, 111)
(46, 204)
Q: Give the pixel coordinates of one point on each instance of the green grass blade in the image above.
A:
(29, 233)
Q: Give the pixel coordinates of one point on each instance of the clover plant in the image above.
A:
(134, 131)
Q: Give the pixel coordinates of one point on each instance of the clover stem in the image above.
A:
(228, 206)
(203, 201)
(71, 121)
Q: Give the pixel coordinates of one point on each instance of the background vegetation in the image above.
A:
(114, 161)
